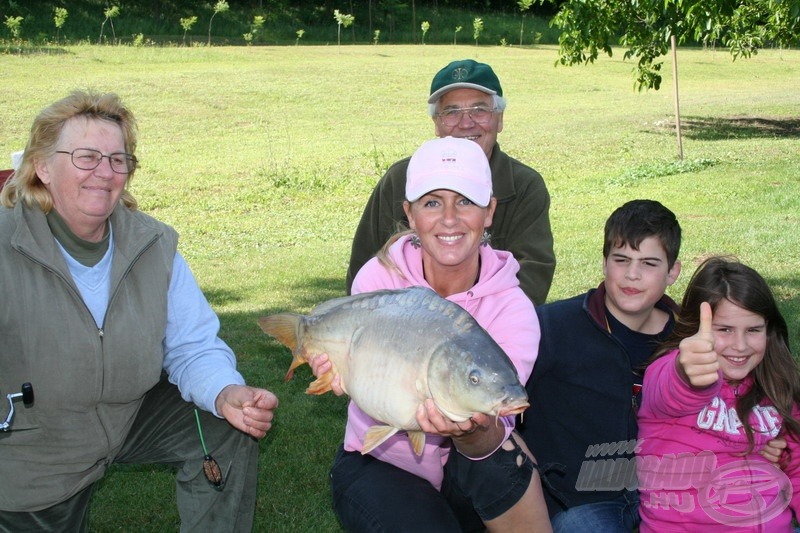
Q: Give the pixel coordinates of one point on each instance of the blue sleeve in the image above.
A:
(196, 359)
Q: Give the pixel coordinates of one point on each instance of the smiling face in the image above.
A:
(740, 339)
(84, 198)
(483, 134)
(450, 228)
(635, 280)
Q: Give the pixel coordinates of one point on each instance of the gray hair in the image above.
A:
(499, 104)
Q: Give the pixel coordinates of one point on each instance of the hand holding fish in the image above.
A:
(697, 360)
(321, 365)
(476, 437)
(248, 409)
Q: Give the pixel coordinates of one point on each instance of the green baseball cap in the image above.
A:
(465, 73)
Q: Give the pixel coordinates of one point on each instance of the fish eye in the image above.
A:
(474, 377)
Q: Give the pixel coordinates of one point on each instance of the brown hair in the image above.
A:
(25, 184)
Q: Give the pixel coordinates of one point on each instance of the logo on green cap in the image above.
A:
(460, 73)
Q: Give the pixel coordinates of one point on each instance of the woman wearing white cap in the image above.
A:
(489, 480)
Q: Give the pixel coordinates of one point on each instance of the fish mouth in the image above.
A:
(511, 405)
(515, 409)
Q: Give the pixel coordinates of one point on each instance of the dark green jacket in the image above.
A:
(88, 382)
(521, 221)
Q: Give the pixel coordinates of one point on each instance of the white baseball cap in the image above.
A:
(450, 163)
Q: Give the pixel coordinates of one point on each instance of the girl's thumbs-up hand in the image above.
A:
(697, 360)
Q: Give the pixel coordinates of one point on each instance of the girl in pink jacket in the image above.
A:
(722, 387)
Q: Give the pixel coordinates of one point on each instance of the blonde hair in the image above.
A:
(383, 254)
(25, 184)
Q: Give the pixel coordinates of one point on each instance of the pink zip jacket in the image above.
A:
(496, 302)
(693, 475)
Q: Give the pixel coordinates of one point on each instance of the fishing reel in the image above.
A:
(26, 394)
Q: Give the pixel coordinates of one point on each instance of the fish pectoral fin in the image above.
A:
(376, 435)
(322, 384)
(417, 439)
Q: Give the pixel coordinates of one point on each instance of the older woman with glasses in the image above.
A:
(101, 314)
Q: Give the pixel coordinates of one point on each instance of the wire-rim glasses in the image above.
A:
(478, 114)
(89, 159)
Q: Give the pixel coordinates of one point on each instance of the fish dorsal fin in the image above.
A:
(376, 435)
(335, 303)
(329, 305)
(417, 439)
(369, 300)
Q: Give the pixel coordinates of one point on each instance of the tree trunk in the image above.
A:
(413, 22)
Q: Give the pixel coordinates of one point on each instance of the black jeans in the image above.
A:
(370, 495)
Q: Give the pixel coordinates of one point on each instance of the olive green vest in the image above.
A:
(88, 382)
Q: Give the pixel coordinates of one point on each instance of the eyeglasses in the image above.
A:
(88, 159)
(478, 114)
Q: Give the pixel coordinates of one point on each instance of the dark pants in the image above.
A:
(370, 495)
(618, 515)
(165, 432)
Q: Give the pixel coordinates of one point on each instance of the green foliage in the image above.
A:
(255, 27)
(425, 27)
(59, 18)
(187, 24)
(645, 27)
(220, 7)
(376, 36)
(477, 28)
(300, 34)
(342, 20)
(524, 5)
(162, 26)
(109, 13)
(257, 24)
(14, 25)
(455, 33)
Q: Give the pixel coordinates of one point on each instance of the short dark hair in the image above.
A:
(637, 220)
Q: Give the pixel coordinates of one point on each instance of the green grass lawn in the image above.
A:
(263, 157)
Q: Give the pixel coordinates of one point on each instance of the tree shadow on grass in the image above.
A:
(28, 50)
(736, 127)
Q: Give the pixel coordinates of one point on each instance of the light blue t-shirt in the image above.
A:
(195, 358)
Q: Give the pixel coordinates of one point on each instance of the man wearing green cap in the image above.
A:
(466, 100)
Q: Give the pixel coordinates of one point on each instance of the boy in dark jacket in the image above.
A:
(581, 425)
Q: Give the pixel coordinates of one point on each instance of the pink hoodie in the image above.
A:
(497, 304)
(693, 475)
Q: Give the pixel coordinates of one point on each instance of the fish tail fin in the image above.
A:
(285, 328)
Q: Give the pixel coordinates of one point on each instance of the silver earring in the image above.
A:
(486, 238)
(414, 241)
